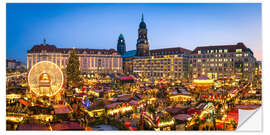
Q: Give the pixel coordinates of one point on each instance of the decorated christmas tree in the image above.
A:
(73, 70)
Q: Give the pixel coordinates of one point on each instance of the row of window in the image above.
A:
(157, 74)
(217, 51)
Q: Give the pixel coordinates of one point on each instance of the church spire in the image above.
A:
(142, 20)
(142, 47)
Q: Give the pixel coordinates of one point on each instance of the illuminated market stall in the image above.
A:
(118, 108)
(203, 83)
(181, 97)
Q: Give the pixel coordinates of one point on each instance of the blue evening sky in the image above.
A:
(99, 25)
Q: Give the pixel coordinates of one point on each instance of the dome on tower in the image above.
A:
(142, 25)
(121, 36)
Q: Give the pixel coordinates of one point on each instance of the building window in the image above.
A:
(238, 55)
(238, 50)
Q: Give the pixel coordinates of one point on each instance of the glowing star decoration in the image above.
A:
(45, 79)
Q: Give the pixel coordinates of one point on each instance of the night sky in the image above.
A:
(98, 26)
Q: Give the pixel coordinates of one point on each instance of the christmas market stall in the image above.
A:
(67, 125)
(62, 112)
(203, 83)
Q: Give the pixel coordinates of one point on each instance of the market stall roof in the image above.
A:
(203, 77)
(124, 78)
(113, 105)
(201, 106)
(99, 90)
(182, 117)
(133, 102)
(192, 111)
(32, 126)
(75, 85)
(247, 107)
(112, 99)
(66, 125)
(110, 90)
(24, 102)
(61, 109)
(138, 96)
(127, 124)
(124, 99)
(82, 94)
(175, 110)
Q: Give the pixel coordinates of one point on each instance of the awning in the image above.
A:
(124, 78)
(24, 102)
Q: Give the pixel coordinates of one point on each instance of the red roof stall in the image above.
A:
(66, 125)
(61, 109)
(182, 117)
(126, 79)
(32, 126)
(24, 102)
(193, 111)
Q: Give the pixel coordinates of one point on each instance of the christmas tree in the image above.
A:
(73, 70)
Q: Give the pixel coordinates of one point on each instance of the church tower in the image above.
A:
(142, 47)
(121, 45)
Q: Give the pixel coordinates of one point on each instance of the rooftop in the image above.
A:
(131, 53)
(164, 51)
(231, 48)
(53, 48)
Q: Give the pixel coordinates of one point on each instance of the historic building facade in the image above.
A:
(128, 61)
(91, 60)
(167, 62)
(15, 65)
(222, 61)
(121, 45)
(217, 62)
